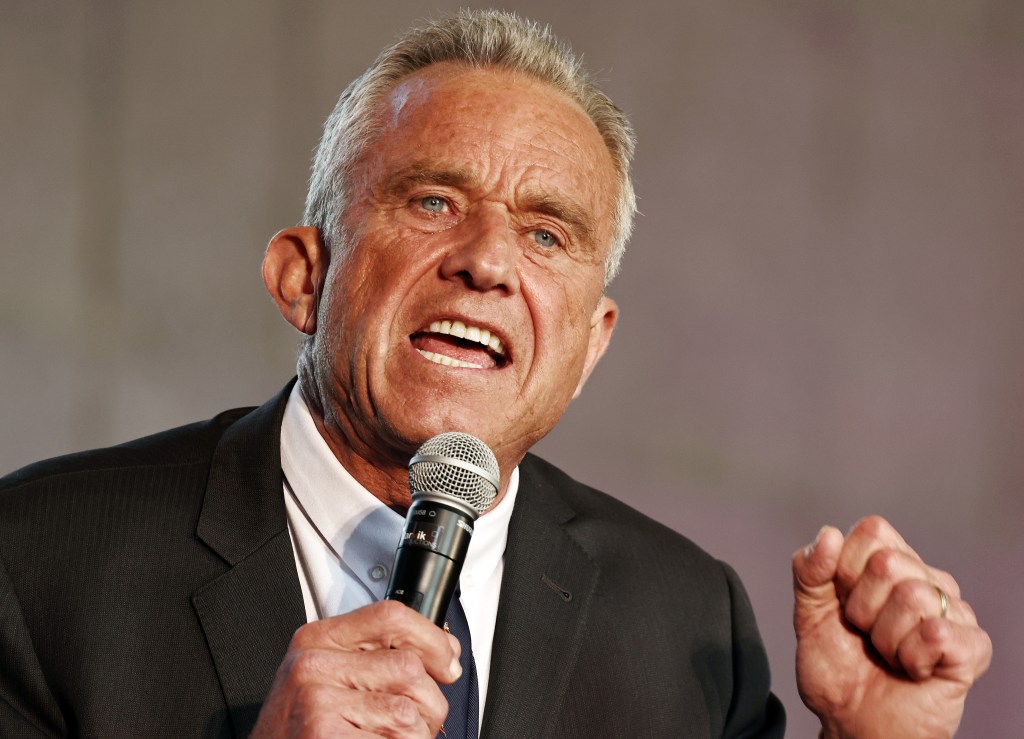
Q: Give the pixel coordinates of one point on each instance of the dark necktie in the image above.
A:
(462, 696)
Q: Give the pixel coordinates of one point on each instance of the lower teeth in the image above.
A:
(447, 361)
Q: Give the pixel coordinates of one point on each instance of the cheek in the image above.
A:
(352, 300)
(562, 324)
(369, 295)
(373, 272)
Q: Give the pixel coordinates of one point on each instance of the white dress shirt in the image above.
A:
(345, 538)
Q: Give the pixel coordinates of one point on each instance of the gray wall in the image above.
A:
(822, 306)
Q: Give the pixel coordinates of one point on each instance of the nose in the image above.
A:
(484, 257)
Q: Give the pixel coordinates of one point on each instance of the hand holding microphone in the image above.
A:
(377, 668)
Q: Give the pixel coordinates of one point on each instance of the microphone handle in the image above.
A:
(429, 558)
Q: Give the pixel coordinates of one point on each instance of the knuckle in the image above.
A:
(434, 703)
(967, 612)
(440, 712)
(936, 631)
(983, 652)
(947, 581)
(911, 594)
(307, 698)
(303, 637)
(405, 665)
(391, 614)
(884, 564)
(873, 525)
(305, 666)
(401, 710)
(389, 619)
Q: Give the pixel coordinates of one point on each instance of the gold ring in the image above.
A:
(943, 601)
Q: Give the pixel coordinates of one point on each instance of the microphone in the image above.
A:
(453, 478)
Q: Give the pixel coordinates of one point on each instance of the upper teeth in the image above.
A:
(469, 333)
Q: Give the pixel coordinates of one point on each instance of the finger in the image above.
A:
(867, 537)
(813, 573)
(382, 714)
(885, 570)
(814, 565)
(382, 691)
(945, 649)
(872, 536)
(380, 671)
(913, 602)
(910, 603)
(400, 673)
(319, 709)
(387, 625)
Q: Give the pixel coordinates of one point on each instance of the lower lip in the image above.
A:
(432, 356)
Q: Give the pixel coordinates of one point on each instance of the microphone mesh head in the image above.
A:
(457, 465)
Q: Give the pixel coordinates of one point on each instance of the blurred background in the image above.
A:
(823, 313)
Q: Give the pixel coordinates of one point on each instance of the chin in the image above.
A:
(431, 423)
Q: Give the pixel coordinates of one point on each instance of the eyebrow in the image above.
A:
(425, 174)
(577, 218)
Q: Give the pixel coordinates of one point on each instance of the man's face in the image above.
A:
(471, 296)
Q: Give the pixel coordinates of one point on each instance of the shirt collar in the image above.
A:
(359, 528)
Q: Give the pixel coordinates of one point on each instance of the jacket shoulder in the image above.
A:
(185, 445)
(596, 511)
(689, 621)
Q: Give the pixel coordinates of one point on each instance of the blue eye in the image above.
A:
(545, 238)
(433, 204)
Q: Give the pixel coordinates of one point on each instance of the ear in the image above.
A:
(602, 322)
(293, 271)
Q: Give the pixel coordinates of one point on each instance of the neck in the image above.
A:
(374, 464)
(387, 480)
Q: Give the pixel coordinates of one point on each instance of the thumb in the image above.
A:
(814, 570)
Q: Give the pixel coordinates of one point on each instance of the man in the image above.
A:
(469, 205)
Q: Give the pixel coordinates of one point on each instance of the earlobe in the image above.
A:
(293, 272)
(602, 323)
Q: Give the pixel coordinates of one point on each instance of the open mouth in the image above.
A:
(454, 344)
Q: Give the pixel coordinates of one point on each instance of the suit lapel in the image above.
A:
(546, 592)
(249, 613)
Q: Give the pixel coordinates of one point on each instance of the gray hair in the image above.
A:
(487, 38)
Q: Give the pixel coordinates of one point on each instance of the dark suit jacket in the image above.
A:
(150, 590)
